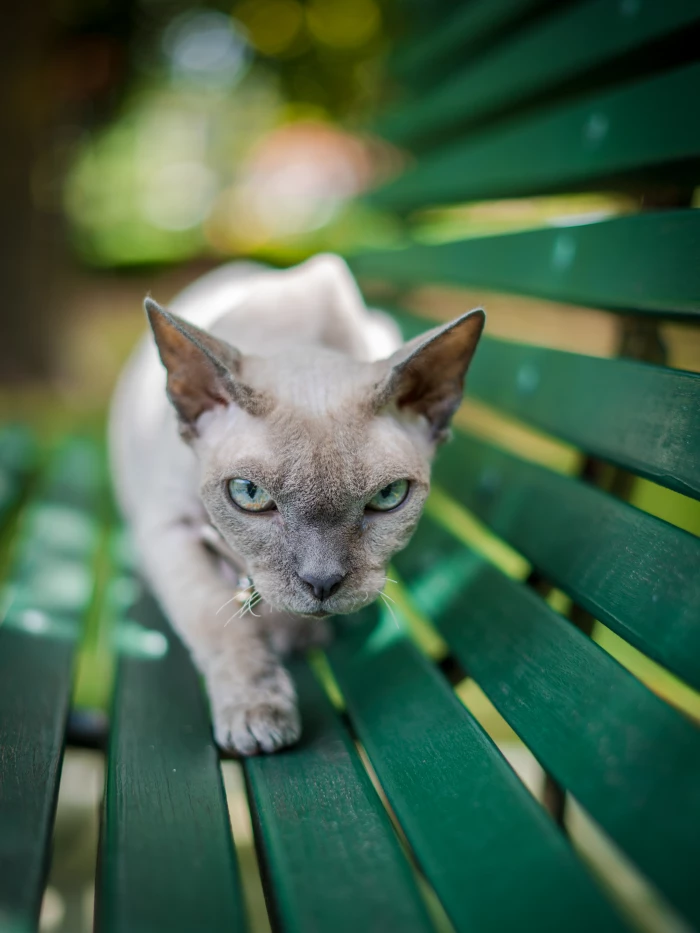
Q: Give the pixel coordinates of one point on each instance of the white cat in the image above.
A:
(298, 445)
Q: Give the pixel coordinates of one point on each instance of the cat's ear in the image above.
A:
(202, 370)
(426, 375)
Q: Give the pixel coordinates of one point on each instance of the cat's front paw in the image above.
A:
(248, 729)
(257, 713)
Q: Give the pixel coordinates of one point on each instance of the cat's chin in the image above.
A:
(345, 609)
(318, 614)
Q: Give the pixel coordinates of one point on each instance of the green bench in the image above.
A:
(510, 98)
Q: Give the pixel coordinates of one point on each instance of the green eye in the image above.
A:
(249, 496)
(389, 497)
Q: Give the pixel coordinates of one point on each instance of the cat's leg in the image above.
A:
(252, 696)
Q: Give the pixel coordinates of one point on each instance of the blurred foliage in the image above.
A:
(226, 140)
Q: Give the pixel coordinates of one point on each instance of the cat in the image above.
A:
(291, 462)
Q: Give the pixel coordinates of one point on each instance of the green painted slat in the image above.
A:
(641, 417)
(468, 818)
(17, 457)
(573, 41)
(627, 757)
(167, 860)
(629, 569)
(453, 38)
(328, 851)
(43, 608)
(645, 126)
(641, 263)
(644, 418)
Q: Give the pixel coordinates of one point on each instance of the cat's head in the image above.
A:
(314, 466)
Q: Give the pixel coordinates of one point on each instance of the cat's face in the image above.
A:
(315, 504)
(315, 469)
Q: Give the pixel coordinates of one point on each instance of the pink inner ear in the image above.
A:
(191, 395)
(201, 368)
(431, 381)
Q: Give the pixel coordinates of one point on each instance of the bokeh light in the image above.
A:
(343, 24)
(296, 180)
(205, 47)
(274, 27)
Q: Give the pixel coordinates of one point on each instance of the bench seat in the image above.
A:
(398, 811)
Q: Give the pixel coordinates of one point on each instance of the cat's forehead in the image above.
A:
(317, 383)
(327, 460)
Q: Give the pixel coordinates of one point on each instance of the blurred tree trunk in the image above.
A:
(25, 233)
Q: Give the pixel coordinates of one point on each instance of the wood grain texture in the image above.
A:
(629, 569)
(569, 43)
(641, 417)
(167, 860)
(329, 854)
(639, 130)
(642, 263)
(48, 594)
(474, 828)
(628, 758)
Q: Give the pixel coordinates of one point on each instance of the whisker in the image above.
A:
(391, 611)
(253, 601)
(234, 616)
(390, 598)
(240, 612)
(389, 580)
(227, 603)
(248, 603)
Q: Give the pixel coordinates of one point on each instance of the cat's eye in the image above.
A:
(249, 496)
(389, 497)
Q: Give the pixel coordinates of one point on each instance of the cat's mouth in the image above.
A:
(296, 603)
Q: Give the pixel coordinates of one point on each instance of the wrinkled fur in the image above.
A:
(293, 383)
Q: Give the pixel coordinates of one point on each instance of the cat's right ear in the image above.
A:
(202, 370)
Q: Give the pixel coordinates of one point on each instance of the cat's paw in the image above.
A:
(248, 729)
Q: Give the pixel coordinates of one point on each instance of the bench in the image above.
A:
(398, 811)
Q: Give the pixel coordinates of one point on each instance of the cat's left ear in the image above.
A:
(426, 375)
(203, 371)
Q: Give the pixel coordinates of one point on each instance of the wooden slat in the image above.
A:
(641, 417)
(17, 457)
(167, 860)
(629, 569)
(329, 854)
(44, 605)
(569, 43)
(627, 757)
(640, 263)
(642, 127)
(644, 418)
(468, 818)
(454, 37)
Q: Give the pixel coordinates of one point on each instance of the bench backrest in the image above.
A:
(510, 100)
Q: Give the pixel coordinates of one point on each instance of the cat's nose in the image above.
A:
(322, 587)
